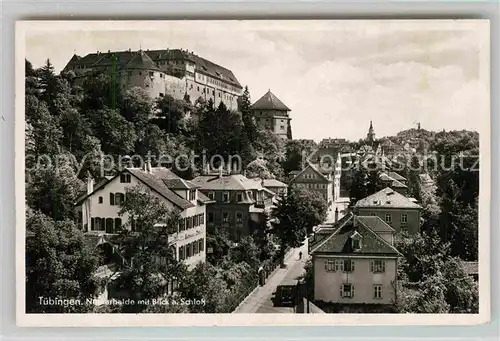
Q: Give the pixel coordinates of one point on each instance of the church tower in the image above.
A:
(370, 137)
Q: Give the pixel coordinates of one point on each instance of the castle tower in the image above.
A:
(370, 137)
(271, 114)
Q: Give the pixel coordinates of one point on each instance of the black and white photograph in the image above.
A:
(252, 172)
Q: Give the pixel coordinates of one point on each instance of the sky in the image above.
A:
(335, 76)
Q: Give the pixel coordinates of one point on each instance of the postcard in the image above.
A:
(252, 172)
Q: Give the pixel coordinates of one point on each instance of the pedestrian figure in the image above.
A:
(300, 255)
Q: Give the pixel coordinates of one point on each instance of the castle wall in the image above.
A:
(153, 82)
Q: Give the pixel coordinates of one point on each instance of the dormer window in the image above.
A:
(225, 197)
(211, 195)
(356, 241)
(192, 194)
(239, 197)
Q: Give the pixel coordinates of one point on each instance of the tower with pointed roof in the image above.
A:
(370, 137)
(272, 114)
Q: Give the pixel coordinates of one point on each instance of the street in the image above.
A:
(261, 300)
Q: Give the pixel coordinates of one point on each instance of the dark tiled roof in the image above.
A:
(315, 169)
(376, 224)
(141, 61)
(393, 182)
(269, 102)
(339, 241)
(179, 184)
(273, 183)
(226, 182)
(123, 58)
(204, 199)
(396, 176)
(156, 183)
(387, 198)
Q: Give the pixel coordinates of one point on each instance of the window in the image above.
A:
(202, 218)
(404, 218)
(182, 253)
(388, 218)
(100, 200)
(189, 223)
(109, 225)
(282, 127)
(111, 199)
(377, 266)
(140, 73)
(119, 198)
(239, 217)
(195, 248)
(348, 265)
(118, 224)
(339, 265)
(151, 74)
(356, 244)
(182, 224)
(201, 243)
(188, 250)
(377, 291)
(225, 197)
(125, 178)
(161, 94)
(347, 290)
(210, 217)
(225, 217)
(192, 194)
(211, 195)
(330, 266)
(239, 197)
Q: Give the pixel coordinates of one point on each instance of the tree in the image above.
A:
(296, 214)
(245, 251)
(216, 123)
(219, 242)
(366, 181)
(248, 117)
(116, 134)
(171, 114)
(42, 125)
(48, 80)
(205, 285)
(58, 265)
(412, 175)
(144, 242)
(430, 280)
(53, 189)
(258, 169)
(296, 151)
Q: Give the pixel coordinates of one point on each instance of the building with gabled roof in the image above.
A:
(392, 182)
(355, 262)
(272, 114)
(173, 72)
(315, 179)
(398, 211)
(238, 203)
(99, 208)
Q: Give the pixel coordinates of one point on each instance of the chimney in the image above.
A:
(336, 214)
(90, 184)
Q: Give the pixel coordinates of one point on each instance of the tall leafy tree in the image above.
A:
(59, 264)
(205, 285)
(296, 214)
(144, 242)
(54, 188)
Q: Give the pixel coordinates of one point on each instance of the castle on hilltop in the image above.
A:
(173, 72)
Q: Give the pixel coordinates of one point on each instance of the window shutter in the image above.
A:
(371, 266)
(341, 290)
(352, 266)
(92, 224)
(352, 290)
(111, 199)
(326, 265)
(383, 266)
